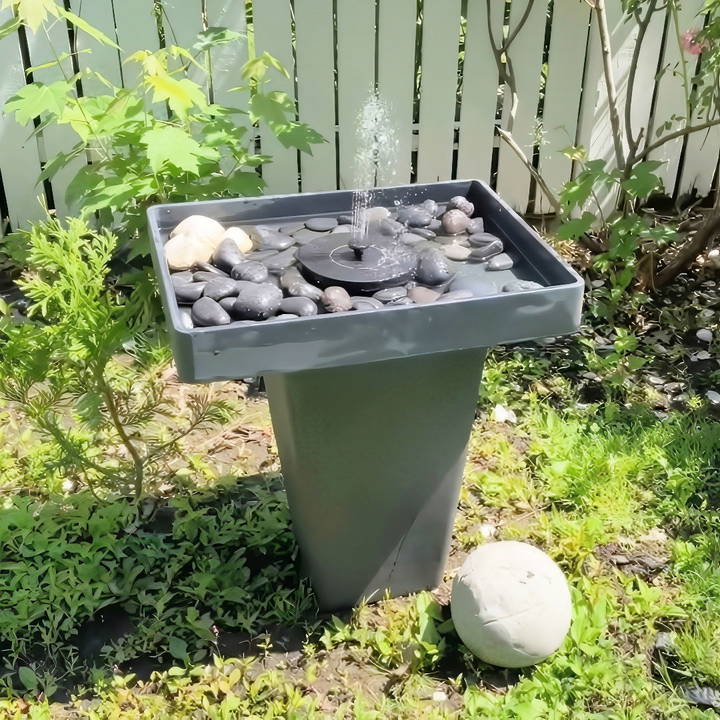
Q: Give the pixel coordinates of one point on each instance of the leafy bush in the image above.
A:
(198, 566)
(160, 140)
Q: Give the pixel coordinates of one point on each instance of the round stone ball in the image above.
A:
(511, 604)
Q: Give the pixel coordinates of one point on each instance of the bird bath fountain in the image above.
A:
(369, 325)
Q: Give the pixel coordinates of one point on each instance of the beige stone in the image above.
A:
(184, 251)
(241, 238)
(202, 228)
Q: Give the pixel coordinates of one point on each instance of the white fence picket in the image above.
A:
(563, 88)
(272, 23)
(92, 55)
(227, 60)
(479, 92)
(356, 75)
(316, 89)
(595, 130)
(670, 99)
(396, 80)
(19, 159)
(438, 89)
(47, 48)
(182, 21)
(526, 52)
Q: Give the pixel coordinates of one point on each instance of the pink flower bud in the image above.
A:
(691, 44)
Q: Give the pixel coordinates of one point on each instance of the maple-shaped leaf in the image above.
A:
(32, 13)
(642, 180)
(37, 99)
(181, 95)
(168, 144)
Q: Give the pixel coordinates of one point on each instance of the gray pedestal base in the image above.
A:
(373, 458)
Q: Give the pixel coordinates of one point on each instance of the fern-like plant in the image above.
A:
(109, 417)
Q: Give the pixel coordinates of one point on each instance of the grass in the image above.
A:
(206, 593)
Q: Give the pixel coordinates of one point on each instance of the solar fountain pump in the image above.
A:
(371, 346)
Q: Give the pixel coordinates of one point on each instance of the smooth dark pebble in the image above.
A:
(276, 241)
(206, 313)
(300, 306)
(400, 301)
(284, 316)
(305, 236)
(477, 225)
(257, 303)
(482, 238)
(409, 238)
(391, 227)
(181, 278)
(485, 252)
(188, 293)
(433, 268)
(345, 219)
(227, 254)
(205, 276)
(210, 268)
(296, 286)
(292, 228)
(365, 303)
(431, 206)
(460, 202)
(322, 224)
(423, 233)
(500, 262)
(260, 255)
(277, 263)
(521, 286)
(387, 295)
(221, 288)
(227, 303)
(414, 216)
(478, 286)
(336, 299)
(250, 270)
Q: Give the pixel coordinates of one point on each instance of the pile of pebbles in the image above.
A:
(248, 274)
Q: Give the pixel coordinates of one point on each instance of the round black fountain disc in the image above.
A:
(378, 264)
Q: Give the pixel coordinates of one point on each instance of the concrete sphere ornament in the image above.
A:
(511, 604)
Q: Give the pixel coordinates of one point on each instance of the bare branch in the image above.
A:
(688, 130)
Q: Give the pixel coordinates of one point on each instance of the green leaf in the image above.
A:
(214, 36)
(300, 136)
(254, 69)
(28, 678)
(575, 153)
(59, 162)
(273, 108)
(36, 99)
(643, 180)
(274, 62)
(177, 648)
(9, 27)
(87, 28)
(172, 145)
(576, 227)
(32, 13)
(181, 95)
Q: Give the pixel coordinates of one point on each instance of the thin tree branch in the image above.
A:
(599, 9)
(688, 130)
(508, 138)
(521, 22)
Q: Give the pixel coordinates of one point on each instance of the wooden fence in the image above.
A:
(431, 59)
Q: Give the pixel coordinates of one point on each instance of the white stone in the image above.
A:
(184, 251)
(511, 604)
(502, 414)
(439, 696)
(714, 258)
(704, 335)
(375, 214)
(453, 251)
(240, 237)
(202, 228)
(713, 397)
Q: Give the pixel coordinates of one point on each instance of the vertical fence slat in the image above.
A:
(513, 181)
(314, 42)
(92, 55)
(438, 87)
(136, 30)
(19, 158)
(273, 34)
(356, 74)
(595, 131)
(396, 80)
(563, 89)
(227, 60)
(479, 92)
(56, 138)
(701, 162)
(671, 95)
(182, 21)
